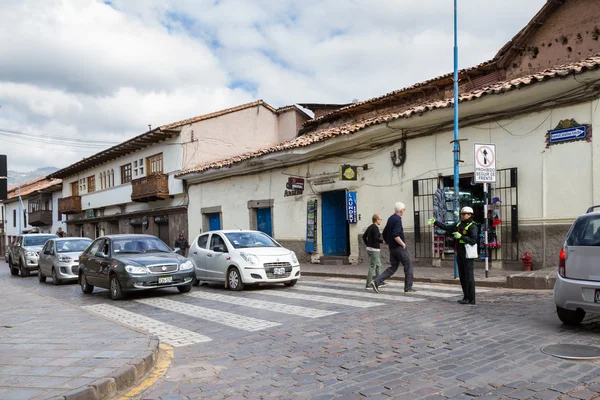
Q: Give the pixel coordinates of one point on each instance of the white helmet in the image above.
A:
(466, 210)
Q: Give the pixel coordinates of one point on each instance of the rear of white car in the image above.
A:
(577, 288)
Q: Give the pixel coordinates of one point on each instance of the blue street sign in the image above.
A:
(351, 211)
(561, 135)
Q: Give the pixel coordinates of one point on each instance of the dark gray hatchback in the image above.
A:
(123, 263)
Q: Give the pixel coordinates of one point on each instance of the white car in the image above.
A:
(577, 288)
(239, 258)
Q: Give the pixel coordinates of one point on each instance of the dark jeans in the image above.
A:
(398, 256)
(466, 275)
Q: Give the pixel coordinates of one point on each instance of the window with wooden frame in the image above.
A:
(74, 188)
(91, 183)
(125, 173)
(154, 164)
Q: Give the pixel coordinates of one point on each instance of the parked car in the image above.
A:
(59, 259)
(23, 254)
(577, 288)
(238, 258)
(123, 263)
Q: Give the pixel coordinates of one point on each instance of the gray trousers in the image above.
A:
(398, 256)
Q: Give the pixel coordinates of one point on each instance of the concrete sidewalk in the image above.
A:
(540, 279)
(53, 350)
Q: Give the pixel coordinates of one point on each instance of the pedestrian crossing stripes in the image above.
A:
(220, 317)
(321, 299)
(386, 289)
(444, 287)
(169, 334)
(263, 305)
(381, 296)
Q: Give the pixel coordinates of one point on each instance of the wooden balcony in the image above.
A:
(40, 218)
(69, 205)
(150, 188)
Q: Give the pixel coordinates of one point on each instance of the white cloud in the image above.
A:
(85, 69)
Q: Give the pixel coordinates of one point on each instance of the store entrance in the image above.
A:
(471, 195)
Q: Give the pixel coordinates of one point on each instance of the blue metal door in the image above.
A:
(335, 226)
(214, 221)
(263, 220)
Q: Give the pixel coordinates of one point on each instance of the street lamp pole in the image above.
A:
(456, 142)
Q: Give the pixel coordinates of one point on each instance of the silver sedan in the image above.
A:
(59, 259)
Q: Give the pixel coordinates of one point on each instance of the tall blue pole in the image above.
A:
(456, 143)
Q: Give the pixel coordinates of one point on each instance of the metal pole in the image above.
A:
(456, 143)
(20, 211)
(485, 234)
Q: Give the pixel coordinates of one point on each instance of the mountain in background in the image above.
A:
(14, 177)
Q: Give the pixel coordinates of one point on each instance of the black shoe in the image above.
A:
(374, 286)
(382, 284)
(472, 302)
(411, 290)
(463, 301)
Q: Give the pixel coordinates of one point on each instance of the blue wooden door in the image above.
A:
(214, 221)
(263, 220)
(334, 225)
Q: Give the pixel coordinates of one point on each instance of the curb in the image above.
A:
(492, 284)
(531, 281)
(123, 378)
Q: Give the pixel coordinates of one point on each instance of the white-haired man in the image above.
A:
(393, 235)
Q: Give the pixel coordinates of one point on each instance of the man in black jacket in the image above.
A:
(372, 238)
(182, 244)
(393, 235)
(465, 232)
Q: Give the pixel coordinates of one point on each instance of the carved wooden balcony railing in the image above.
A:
(150, 188)
(69, 205)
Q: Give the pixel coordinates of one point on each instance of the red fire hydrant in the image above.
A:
(527, 261)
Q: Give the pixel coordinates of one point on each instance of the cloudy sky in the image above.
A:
(77, 76)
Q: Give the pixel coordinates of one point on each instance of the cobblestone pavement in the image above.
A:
(329, 338)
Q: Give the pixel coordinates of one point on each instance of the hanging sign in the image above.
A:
(311, 226)
(351, 211)
(294, 187)
(348, 172)
(485, 163)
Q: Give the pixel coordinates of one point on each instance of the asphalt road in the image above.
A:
(329, 338)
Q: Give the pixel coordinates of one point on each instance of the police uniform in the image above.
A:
(469, 234)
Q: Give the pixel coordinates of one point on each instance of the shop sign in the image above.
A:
(90, 213)
(311, 226)
(351, 211)
(294, 187)
(161, 219)
(348, 172)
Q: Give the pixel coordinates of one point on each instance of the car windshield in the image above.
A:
(244, 240)
(139, 245)
(36, 240)
(585, 232)
(69, 246)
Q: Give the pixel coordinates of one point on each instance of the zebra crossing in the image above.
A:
(336, 295)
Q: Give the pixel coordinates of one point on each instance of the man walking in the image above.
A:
(372, 238)
(465, 233)
(393, 235)
(181, 243)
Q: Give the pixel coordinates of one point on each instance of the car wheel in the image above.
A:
(234, 280)
(13, 270)
(116, 293)
(41, 276)
(184, 289)
(195, 282)
(85, 286)
(291, 283)
(569, 317)
(55, 279)
(24, 271)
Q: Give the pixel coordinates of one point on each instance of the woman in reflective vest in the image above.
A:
(465, 232)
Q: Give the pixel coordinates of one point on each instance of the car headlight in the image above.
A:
(250, 258)
(294, 258)
(186, 265)
(132, 269)
(64, 259)
(32, 254)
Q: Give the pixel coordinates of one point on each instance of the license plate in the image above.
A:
(165, 279)
(278, 271)
(597, 296)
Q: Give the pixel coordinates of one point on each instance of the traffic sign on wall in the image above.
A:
(485, 163)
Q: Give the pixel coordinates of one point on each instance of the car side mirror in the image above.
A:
(219, 248)
(47, 252)
(176, 250)
(100, 254)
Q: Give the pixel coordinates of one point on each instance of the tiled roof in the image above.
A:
(33, 186)
(217, 114)
(576, 68)
(291, 107)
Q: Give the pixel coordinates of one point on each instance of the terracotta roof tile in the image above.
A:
(590, 63)
(30, 187)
